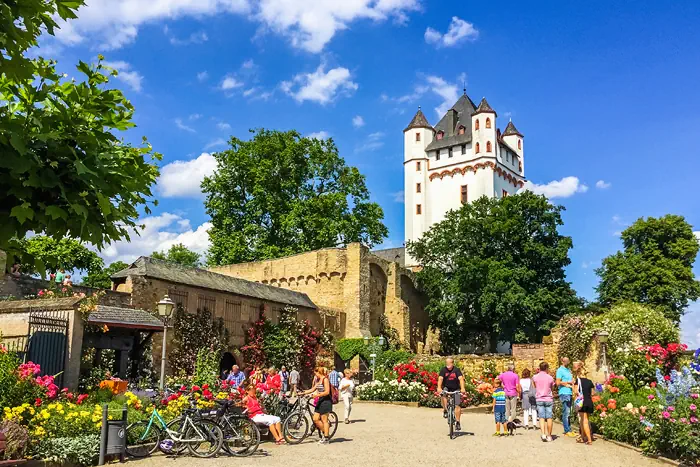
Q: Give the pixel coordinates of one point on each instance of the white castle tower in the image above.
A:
(462, 158)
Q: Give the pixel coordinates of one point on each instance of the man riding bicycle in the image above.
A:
(451, 379)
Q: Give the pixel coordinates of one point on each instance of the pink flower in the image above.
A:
(81, 398)
(693, 419)
(650, 397)
(683, 419)
(693, 407)
(666, 415)
(694, 396)
(670, 408)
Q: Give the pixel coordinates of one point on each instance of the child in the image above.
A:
(499, 407)
(256, 414)
(67, 281)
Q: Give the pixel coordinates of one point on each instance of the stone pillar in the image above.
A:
(75, 348)
(356, 291)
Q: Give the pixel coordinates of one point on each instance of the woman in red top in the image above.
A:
(256, 414)
(274, 380)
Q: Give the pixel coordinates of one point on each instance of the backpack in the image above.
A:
(334, 394)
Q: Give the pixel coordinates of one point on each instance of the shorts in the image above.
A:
(324, 406)
(544, 409)
(267, 420)
(458, 398)
(500, 417)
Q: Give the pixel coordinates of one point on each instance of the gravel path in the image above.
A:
(386, 435)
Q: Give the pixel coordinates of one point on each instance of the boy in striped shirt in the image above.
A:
(499, 407)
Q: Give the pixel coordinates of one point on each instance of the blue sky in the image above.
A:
(606, 96)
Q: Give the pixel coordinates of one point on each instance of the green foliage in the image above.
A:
(495, 268)
(64, 253)
(637, 369)
(655, 267)
(280, 194)
(80, 450)
(16, 438)
(624, 426)
(8, 379)
(206, 368)
(101, 278)
(676, 437)
(179, 254)
(347, 348)
(63, 172)
(629, 325)
(390, 358)
(195, 331)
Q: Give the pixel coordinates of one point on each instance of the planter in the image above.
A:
(116, 386)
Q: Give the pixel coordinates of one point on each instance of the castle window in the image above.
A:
(488, 122)
(417, 187)
(476, 124)
(464, 149)
(476, 150)
(417, 136)
(449, 152)
(520, 144)
(505, 193)
(461, 130)
(520, 166)
(488, 146)
(419, 209)
(440, 135)
(507, 156)
(418, 166)
(463, 194)
(437, 155)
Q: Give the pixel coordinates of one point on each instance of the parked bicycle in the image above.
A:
(298, 425)
(241, 434)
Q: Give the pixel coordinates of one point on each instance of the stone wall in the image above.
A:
(348, 280)
(22, 286)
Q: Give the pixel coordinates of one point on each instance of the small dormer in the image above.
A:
(440, 134)
(461, 129)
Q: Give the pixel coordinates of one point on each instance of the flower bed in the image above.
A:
(398, 391)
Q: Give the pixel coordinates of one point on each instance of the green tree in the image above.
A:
(65, 254)
(179, 254)
(102, 278)
(495, 268)
(655, 267)
(280, 194)
(63, 171)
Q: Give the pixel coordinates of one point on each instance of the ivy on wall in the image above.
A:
(194, 331)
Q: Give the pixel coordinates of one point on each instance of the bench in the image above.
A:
(3, 444)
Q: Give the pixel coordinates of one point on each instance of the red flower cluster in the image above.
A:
(413, 371)
(667, 357)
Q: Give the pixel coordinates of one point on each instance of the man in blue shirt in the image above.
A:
(334, 378)
(565, 383)
(236, 377)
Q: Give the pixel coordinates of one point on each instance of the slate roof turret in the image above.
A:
(484, 107)
(511, 130)
(419, 121)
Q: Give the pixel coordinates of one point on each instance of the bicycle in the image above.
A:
(298, 425)
(241, 434)
(189, 431)
(450, 410)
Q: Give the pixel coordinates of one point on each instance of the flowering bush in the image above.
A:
(412, 371)
(695, 364)
(667, 357)
(402, 391)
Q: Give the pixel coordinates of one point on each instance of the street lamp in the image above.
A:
(603, 339)
(165, 309)
(374, 347)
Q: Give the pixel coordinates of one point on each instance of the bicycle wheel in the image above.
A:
(176, 447)
(451, 421)
(142, 441)
(332, 424)
(241, 437)
(204, 438)
(295, 428)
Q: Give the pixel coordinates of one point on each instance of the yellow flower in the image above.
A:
(84, 413)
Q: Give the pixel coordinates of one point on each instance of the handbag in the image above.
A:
(578, 402)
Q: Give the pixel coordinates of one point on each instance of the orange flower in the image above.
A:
(595, 399)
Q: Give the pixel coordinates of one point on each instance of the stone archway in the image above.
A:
(418, 320)
(377, 297)
(226, 362)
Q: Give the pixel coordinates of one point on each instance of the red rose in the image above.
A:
(667, 378)
(195, 388)
(37, 402)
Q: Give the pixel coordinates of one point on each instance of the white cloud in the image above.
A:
(319, 135)
(215, 143)
(257, 93)
(223, 126)
(182, 179)
(457, 31)
(358, 121)
(195, 116)
(690, 326)
(564, 188)
(230, 82)
(194, 38)
(398, 197)
(320, 86)
(602, 184)
(697, 234)
(159, 233)
(447, 91)
(373, 142)
(248, 64)
(130, 77)
(202, 76)
(182, 126)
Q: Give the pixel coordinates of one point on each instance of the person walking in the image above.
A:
(584, 388)
(544, 383)
(528, 400)
(499, 407)
(511, 387)
(293, 381)
(321, 389)
(565, 388)
(347, 385)
(236, 377)
(334, 377)
(284, 375)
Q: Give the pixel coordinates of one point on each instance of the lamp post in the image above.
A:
(603, 339)
(374, 348)
(165, 309)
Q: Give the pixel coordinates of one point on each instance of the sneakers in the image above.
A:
(323, 440)
(543, 438)
(458, 427)
(498, 433)
(549, 439)
(347, 421)
(571, 434)
(444, 414)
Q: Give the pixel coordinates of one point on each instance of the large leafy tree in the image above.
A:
(280, 194)
(102, 278)
(495, 268)
(63, 171)
(655, 267)
(65, 254)
(179, 254)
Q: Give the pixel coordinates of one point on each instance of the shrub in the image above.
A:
(16, 438)
(391, 391)
(81, 450)
(194, 331)
(637, 368)
(624, 426)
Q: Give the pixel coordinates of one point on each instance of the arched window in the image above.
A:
(488, 146)
(440, 135)
(520, 146)
(476, 124)
(461, 130)
(417, 136)
(488, 122)
(477, 148)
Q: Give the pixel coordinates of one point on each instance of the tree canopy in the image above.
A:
(65, 254)
(63, 171)
(179, 254)
(280, 194)
(102, 278)
(495, 268)
(655, 266)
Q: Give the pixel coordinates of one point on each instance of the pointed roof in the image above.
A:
(484, 107)
(419, 121)
(511, 130)
(465, 108)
